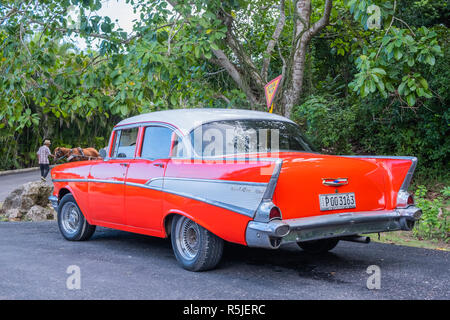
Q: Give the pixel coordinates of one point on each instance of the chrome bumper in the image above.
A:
(54, 202)
(271, 234)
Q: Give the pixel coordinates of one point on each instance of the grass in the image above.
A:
(405, 238)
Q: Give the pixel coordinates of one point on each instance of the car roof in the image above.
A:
(188, 119)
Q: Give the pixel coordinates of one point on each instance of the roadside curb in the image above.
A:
(4, 173)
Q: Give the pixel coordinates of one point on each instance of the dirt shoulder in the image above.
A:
(405, 238)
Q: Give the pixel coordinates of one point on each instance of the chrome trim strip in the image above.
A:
(411, 170)
(409, 175)
(227, 158)
(89, 180)
(145, 186)
(244, 183)
(268, 195)
(106, 181)
(70, 180)
(335, 183)
(262, 213)
(54, 202)
(381, 157)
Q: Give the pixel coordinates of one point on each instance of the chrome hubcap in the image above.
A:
(70, 218)
(187, 238)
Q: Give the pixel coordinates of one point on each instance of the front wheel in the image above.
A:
(195, 248)
(318, 246)
(71, 221)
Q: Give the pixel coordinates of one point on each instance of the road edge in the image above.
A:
(6, 172)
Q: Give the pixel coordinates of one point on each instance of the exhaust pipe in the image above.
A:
(406, 224)
(359, 239)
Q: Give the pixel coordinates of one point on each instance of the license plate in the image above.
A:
(336, 201)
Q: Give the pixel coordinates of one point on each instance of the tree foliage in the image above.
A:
(344, 60)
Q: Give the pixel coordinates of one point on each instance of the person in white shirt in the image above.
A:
(43, 154)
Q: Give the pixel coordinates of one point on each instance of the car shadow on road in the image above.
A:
(287, 258)
(291, 258)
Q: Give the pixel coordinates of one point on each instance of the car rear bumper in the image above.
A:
(271, 234)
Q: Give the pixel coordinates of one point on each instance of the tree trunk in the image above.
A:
(244, 72)
(300, 45)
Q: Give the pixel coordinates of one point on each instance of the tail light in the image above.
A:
(275, 213)
(404, 199)
(410, 200)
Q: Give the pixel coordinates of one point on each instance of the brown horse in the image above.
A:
(76, 154)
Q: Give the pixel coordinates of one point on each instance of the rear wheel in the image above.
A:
(71, 221)
(195, 248)
(318, 246)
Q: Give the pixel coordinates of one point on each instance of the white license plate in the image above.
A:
(336, 201)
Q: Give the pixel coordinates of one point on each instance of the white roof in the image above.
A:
(187, 119)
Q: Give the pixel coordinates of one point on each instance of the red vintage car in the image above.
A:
(205, 176)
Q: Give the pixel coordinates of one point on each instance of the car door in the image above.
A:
(107, 178)
(144, 181)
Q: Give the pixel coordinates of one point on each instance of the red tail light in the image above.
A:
(410, 200)
(275, 213)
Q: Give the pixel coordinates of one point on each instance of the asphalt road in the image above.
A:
(11, 181)
(118, 265)
(34, 259)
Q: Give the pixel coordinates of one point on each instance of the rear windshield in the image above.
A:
(247, 136)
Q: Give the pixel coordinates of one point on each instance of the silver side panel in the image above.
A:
(240, 197)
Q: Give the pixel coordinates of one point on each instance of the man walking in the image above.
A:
(43, 154)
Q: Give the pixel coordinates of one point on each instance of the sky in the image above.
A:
(119, 9)
(115, 9)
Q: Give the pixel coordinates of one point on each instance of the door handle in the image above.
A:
(161, 165)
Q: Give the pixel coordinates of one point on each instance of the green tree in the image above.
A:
(370, 55)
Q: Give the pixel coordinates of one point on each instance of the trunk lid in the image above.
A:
(301, 181)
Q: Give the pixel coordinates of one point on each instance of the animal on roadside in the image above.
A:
(76, 154)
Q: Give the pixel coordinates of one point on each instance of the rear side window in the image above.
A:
(157, 143)
(125, 143)
(229, 137)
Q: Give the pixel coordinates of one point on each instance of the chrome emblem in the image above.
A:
(335, 182)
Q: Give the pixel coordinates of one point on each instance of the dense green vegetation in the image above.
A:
(363, 90)
(434, 222)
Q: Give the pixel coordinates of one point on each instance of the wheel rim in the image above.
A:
(187, 238)
(70, 217)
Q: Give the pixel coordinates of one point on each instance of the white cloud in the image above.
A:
(120, 12)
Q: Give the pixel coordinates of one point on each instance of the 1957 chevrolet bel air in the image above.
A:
(202, 176)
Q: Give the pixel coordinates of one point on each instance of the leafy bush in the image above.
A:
(375, 126)
(329, 122)
(433, 223)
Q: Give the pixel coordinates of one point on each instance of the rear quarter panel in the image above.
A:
(223, 222)
(77, 173)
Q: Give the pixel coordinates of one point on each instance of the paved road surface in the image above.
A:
(120, 265)
(11, 181)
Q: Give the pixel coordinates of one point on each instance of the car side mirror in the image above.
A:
(103, 153)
